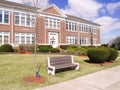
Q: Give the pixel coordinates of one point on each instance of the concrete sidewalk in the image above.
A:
(108, 79)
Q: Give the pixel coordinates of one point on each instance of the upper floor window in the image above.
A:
(17, 18)
(83, 28)
(71, 26)
(24, 19)
(93, 29)
(28, 20)
(4, 17)
(1, 16)
(52, 23)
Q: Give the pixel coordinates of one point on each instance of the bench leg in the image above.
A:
(77, 68)
(51, 72)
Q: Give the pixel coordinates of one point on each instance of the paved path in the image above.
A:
(108, 79)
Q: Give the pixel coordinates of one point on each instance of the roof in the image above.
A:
(58, 10)
(23, 6)
(16, 5)
(70, 17)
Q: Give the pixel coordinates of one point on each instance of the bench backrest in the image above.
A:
(60, 60)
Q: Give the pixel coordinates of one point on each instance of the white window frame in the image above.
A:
(71, 40)
(21, 14)
(5, 34)
(71, 26)
(25, 35)
(52, 20)
(3, 13)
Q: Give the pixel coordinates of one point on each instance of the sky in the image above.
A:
(104, 12)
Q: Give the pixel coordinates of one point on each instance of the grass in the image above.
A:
(14, 67)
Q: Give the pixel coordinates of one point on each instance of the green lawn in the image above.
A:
(13, 67)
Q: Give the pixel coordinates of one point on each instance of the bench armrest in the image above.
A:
(78, 65)
(49, 66)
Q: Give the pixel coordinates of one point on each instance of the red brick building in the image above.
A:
(17, 26)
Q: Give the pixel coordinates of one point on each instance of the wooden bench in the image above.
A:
(58, 63)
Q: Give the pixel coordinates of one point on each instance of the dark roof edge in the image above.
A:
(78, 18)
(17, 5)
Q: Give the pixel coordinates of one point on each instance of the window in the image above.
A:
(33, 20)
(16, 39)
(71, 26)
(17, 17)
(28, 20)
(83, 41)
(6, 16)
(24, 38)
(1, 16)
(4, 38)
(22, 19)
(83, 28)
(93, 29)
(94, 41)
(52, 23)
(71, 40)
(25, 19)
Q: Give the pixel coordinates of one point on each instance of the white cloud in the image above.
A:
(83, 8)
(42, 3)
(112, 7)
(108, 24)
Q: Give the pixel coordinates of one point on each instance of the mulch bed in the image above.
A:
(32, 79)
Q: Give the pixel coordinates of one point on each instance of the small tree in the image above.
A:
(116, 43)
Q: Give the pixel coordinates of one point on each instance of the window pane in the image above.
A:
(0, 16)
(28, 20)
(23, 19)
(22, 40)
(6, 16)
(5, 39)
(33, 20)
(16, 39)
(33, 40)
(16, 18)
(28, 40)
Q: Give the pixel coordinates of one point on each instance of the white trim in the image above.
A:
(59, 11)
(50, 16)
(3, 34)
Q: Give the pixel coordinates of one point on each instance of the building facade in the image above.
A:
(18, 21)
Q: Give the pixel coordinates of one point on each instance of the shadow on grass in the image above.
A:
(89, 61)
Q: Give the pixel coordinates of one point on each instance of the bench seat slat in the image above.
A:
(65, 66)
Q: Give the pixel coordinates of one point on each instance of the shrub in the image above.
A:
(26, 48)
(72, 50)
(43, 49)
(64, 47)
(55, 50)
(6, 48)
(82, 51)
(98, 55)
(113, 54)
